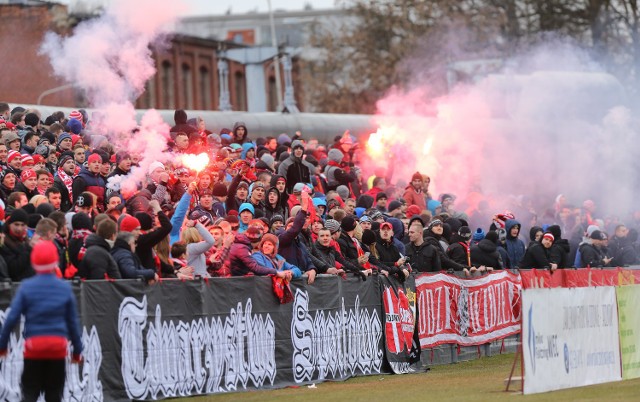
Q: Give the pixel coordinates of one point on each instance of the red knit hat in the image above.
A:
(413, 210)
(129, 224)
(75, 137)
(27, 174)
(12, 155)
(38, 159)
(44, 257)
(27, 159)
(94, 158)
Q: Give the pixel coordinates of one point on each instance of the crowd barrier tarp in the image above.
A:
(467, 311)
(196, 337)
(402, 344)
(569, 338)
(628, 298)
(583, 277)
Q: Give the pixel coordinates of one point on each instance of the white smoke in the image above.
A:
(109, 59)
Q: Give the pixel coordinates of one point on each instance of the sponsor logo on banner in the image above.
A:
(467, 311)
(571, 337)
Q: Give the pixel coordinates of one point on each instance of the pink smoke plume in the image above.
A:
(550, 122)
(109, 59)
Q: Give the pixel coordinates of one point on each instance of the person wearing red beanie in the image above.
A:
(51, 318)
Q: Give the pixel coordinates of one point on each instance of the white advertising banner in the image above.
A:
(569, 338)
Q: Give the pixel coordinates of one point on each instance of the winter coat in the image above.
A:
(129, 263)
(445, 261)
(536, 256)
(459, 251)
(242, 263)
(295, 170)
(623, 252)
(269, 262)
(66, 203)
(514, 246)
(293, 249)
(17, 255)
(559, 253)
(93, 183)
(330, 256)
(486, 253)
(413, 197)
(590, 256)
(146, 241)
(424, 258)
(97, 260)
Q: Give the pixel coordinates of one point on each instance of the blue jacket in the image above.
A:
(182, 207)
(268, 262)
(515, 247)
(49, 307)
(129, 263)
(291, 248)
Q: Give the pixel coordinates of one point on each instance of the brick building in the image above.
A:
(187, 71)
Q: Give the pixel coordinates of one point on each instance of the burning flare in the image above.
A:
(196, 162)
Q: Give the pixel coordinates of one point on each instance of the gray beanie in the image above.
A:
(335, 155)
(268, 159)
(343, 191)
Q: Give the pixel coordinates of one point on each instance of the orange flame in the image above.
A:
(378, 143)
(196, 162)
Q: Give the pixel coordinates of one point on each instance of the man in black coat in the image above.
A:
(16, 250)
(421, 255)
(97, 260)
(485, 253)
(388, 253)
(591, 254)
(294, 168)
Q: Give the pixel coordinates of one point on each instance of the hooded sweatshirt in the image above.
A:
(515, 246)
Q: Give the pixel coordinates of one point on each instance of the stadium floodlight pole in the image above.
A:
(52, 91)
(276, 62)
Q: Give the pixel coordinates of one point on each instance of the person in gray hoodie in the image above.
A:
(295, 169)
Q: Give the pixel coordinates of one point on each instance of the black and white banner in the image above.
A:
(402, 344)
(186, 338)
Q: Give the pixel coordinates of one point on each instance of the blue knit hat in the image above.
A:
(63, 136)
(245, 206)
(478, 234)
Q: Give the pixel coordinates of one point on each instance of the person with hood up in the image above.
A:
(180, 118)
(460, 250)
(16, 247)
(485, 252)
(273, 206)
(514, 246)
(280, 182)
(538, 255)
(268, 256)
(295, 169)
(535, 234)
(240, 133)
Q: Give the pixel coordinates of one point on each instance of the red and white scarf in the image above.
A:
(67, 181)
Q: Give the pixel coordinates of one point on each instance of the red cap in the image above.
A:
(129, 224)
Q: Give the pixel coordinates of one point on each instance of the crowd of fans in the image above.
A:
(285, 206)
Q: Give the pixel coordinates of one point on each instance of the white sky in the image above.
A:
(217, 7)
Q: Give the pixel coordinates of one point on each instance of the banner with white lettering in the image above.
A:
(569, 338)
(197, 337)
(402, 344)
(467, 311)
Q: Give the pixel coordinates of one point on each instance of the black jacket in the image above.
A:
(146, 241)
(486, 253)
(424, 258)
(328, 256)
(17, 255)
(445, 261)
(590, 256)
(66, 203)
(536, 256)
(559, 253)
(129, 263)
(97, 260)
